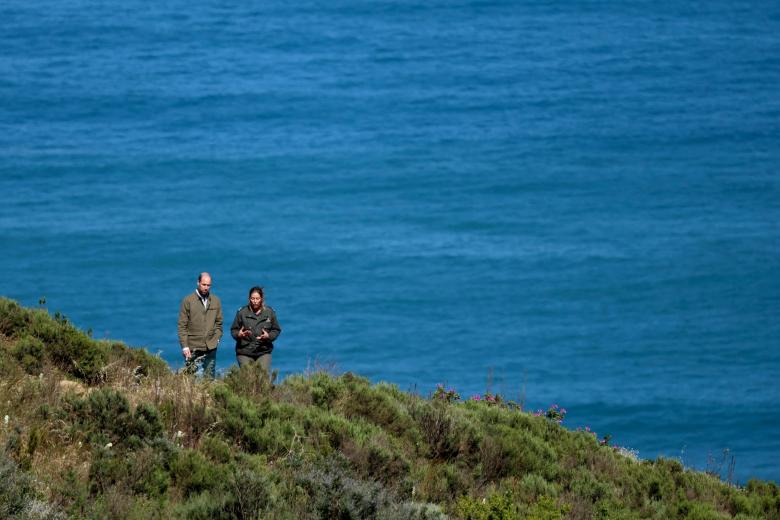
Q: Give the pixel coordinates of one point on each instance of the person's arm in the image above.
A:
(218, 322)
(275, 329)
(183, 325)
(236, 328)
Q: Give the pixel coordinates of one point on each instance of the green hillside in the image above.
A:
(95, 429)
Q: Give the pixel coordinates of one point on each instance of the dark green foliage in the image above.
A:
(547, 508)
(495, 507)
(55, 339)
(192, 416)
(337, 496)
(194, 474)
(382, 405)
(13, 318)
(104, 416)
(216, 449)
(251, 493)
(146, 422)
(506, 451)
(30, 354)
(77, 354)
(16, 490)
(227, 492)
(446, 433)
(74, 493)
(143, 473)
(67, 347)
(144, 364)
(325, 390)
(255, 426)
(18, 498)
(765, 501)
(250, 380)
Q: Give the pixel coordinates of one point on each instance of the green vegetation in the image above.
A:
(95, 429)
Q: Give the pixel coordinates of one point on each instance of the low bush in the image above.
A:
(194, 474)
(498, 506)
(29, 352)
(144, 473)
(250, 380)
(13, 318)
(104, 416)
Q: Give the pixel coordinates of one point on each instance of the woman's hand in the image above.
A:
(264, 335)
(244, 333)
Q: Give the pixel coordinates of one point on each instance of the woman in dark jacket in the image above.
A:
(255, 328)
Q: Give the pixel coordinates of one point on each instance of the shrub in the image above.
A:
(375, 458)
(547, 509)
(66, 346)
(498, 506)
(585, 485)
(441, 483)
(533, 486)
(251, 493)
(146, 422)
(508, 451)
(104, 416)
(250, 380)
(29, 352)
(764, 499)
(145, 473)
(13, 318)
(205, 506)
(336, 495)
(325, 389)
(194, 474)
(258, 427)
(16, 493)
(379, 405)
(185, 408)
(142, 363)
(444, 431)
(697, 511)
(449, 395)
(216, 449)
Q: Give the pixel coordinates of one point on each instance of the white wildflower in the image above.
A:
(628, 453)
(109, 445)
(5, 420)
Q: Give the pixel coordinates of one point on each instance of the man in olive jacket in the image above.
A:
(200, 328)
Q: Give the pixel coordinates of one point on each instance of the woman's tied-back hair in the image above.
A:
(258, 290)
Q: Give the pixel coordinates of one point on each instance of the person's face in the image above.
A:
(204, 285)
(255, 301)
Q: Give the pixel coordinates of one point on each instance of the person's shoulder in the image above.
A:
(270, 309)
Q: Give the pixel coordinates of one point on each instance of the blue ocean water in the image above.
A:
(565, 202)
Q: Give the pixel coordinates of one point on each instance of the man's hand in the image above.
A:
(244, 333)
(186, 353)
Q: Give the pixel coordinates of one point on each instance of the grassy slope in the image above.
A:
(99, 430)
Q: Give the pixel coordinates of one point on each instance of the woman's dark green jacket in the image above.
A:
(246, 317)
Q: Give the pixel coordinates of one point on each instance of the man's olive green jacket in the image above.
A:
(199, 328)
